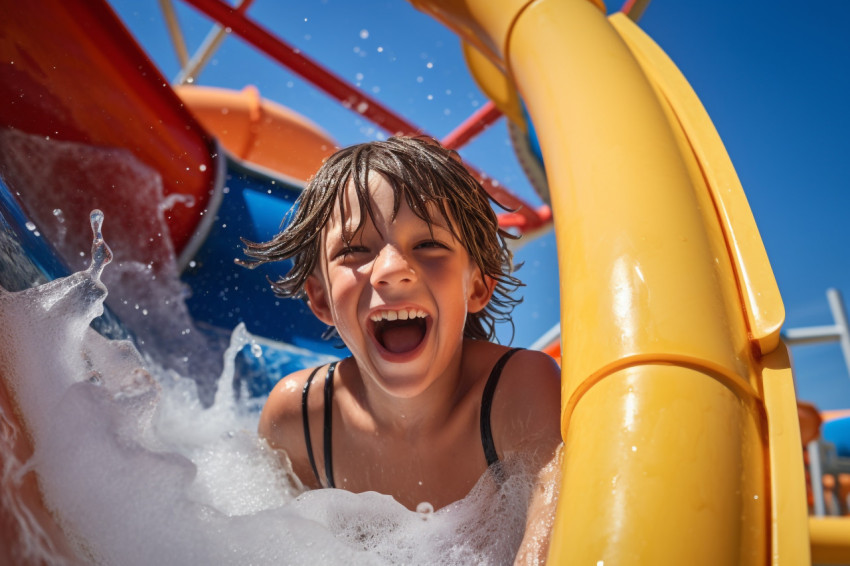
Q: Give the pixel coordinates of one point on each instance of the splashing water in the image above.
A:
(136, 470)
(100, 252)
(143, 276)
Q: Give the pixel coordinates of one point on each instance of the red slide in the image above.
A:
(70, 71)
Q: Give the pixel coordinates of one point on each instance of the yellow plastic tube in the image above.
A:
(830, 540)
(676, 397)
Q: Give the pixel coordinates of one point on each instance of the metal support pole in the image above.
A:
(174, 30)
(816, 472)
(838, 332)
(839, 314)
(202, 56)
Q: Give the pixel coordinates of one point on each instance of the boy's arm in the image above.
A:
(541, 513)
(526, 414)
(281, 424)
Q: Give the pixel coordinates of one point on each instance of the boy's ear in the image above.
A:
(480, 292)
(317, 299)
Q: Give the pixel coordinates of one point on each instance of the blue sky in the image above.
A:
(774, 77)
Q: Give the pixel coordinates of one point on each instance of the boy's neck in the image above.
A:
(417, 415)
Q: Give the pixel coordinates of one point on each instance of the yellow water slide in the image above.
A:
(678, 408)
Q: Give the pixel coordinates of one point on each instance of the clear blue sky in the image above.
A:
(774, 77)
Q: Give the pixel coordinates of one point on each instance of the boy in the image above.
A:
(396, 245)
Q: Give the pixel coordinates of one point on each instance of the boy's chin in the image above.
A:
(405, 383)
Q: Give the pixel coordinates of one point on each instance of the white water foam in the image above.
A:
(58, 183)
(137, 471)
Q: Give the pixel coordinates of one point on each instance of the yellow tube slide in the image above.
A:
(678, 408)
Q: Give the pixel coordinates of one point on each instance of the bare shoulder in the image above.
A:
(527, 404)
(281, 422)
(282, 406)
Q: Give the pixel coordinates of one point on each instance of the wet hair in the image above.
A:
(428, 177)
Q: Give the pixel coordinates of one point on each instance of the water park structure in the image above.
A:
(671, 320)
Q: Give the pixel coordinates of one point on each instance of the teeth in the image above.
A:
(404, 314)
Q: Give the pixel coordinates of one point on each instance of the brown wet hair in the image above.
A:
(428, 177)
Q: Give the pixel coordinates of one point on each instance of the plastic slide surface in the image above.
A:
(678, 409)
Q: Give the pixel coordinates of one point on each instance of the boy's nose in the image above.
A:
(391, 268)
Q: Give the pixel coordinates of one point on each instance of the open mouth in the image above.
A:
(400, 332)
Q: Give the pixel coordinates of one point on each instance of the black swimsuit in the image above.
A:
(486, 404)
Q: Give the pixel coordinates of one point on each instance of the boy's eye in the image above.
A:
(347, 251)
(432, 244)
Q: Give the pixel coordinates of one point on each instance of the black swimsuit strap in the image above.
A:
(329, 393)
(486, 405)
(328, 414)
(306, 419)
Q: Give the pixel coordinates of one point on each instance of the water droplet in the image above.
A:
(256, 350)
(364, 34)
(425, 509)
(100, 252)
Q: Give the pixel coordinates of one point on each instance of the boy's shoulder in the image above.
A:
(282, 418)
(533, 378)
(526, 405)
(532, 365)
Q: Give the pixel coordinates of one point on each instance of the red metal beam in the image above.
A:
(303, 66)
(525, 218)
(634, 9)
(472, 126)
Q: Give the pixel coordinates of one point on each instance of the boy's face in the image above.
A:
(399, 293)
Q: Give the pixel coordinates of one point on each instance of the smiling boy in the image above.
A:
(396, 245)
